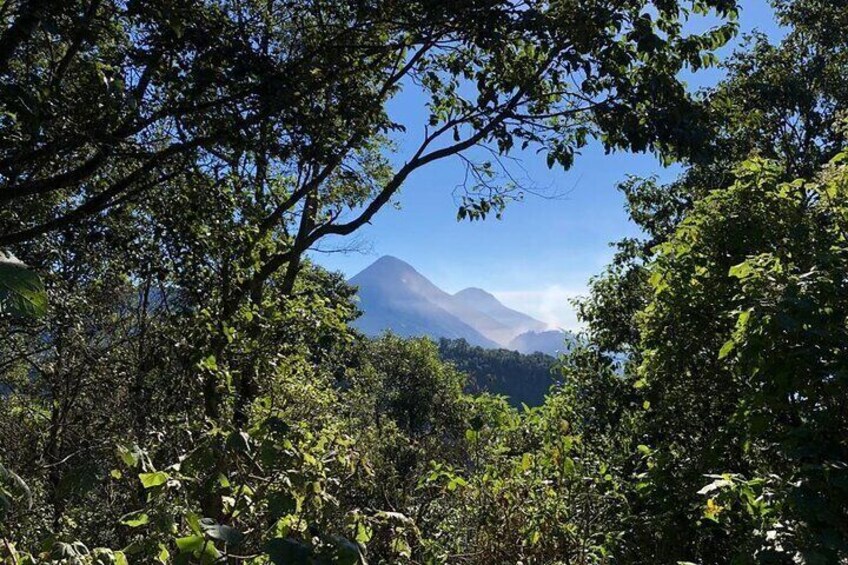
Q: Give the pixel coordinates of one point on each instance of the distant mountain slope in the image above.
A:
(551, 342)
(517, 322)
(492, 329)
(394, 296)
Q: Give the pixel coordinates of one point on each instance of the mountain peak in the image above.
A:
(387, 268)
(390, 260)
(389, 263)
(393, 295)
(487, 303)
(479, 299)
(474, 292)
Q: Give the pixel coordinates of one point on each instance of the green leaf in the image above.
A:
(190, 544)
(401, 547)
(743, 319)
(164, 555)
(21, 290)
(193, 521)
(741, 271)
(363, 533)
(150, 480)
(135, 519)
(840, 158)
(568, 466)
(198, 546)
(129, 455)
(209, 363)
(726, 349)
(222, 532)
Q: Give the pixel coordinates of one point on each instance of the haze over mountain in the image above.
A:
(549, 341)
(513, 322)
(394, 296)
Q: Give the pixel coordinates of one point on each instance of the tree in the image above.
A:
(286, 102)
(742, 363)
(236, 135)
(784, 102)
(699, 410)
(523, 379)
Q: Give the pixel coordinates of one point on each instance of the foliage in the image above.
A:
(538, 491)
(279, 109)
(719, 318)
(523, 379)
(194, 393)
(785, 102)
(21, 290)
(756, 306)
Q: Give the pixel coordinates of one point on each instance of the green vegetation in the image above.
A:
(523, 379)
(21, 290)
(179, 384)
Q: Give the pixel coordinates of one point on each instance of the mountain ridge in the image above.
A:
(394, 296)
(487, 303)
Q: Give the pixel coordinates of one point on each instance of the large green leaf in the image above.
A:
(221, 532)
(199, 547)
(21, 290)
(150, 480)
(135, 519)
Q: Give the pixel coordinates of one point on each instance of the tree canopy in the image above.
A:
(180, 384)
(285, 103)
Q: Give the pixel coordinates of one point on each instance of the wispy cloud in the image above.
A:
(551, 304)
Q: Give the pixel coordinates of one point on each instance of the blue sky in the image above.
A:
(544, 250)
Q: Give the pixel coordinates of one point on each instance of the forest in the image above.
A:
(520, 378)
(179, 380)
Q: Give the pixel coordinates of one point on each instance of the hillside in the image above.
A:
(524, 379)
